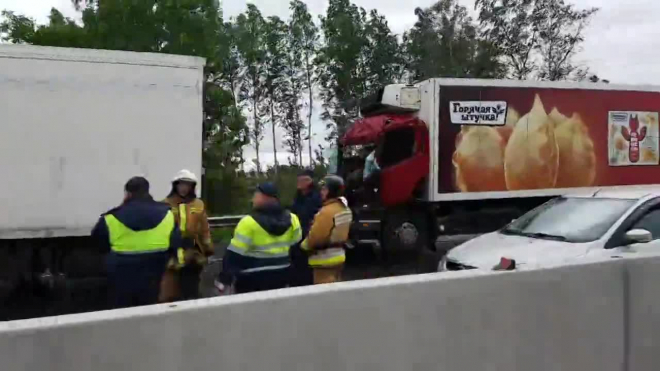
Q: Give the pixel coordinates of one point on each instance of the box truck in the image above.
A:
(459, 157)
(76, 125)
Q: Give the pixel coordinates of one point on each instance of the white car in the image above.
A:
(606, 223)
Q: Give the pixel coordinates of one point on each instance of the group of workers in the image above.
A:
(157, 250)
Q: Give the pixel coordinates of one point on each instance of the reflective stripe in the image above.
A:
(259, 254)
(183, 218)
(251, 240)
(345, 217)
(127, 241)
(328, 257)
(181, 256)
(270, 268)
(243, 239)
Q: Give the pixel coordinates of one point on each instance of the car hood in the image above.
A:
(484, 252)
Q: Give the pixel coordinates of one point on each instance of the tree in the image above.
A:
(444, 42)
(295, 81)
(561, 32)
(60, 31)
(340, 63)
(383, 60)
(275, 32)
(304, 36)
(536, 38)
(251, 46)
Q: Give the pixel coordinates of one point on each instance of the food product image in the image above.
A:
(531, 158)
(577, 158)
(557, 117)
(479, 160)
(633, 138)
(512, 117)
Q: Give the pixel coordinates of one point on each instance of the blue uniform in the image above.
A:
(141, 236)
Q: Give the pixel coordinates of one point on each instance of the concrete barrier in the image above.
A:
(568, 318)
(643, 314)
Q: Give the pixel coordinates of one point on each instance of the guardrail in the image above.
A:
(224, 221)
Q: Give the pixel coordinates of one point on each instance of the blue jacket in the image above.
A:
(138, 215)
(306, 207)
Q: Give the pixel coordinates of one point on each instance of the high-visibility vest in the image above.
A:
(124, 240)
(261, 250)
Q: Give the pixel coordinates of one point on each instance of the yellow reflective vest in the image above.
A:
(259, 250)
(124, 240)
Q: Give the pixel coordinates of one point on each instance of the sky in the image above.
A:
(621, 43)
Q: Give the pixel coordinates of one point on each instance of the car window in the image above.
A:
(650, 222)
(571, 219)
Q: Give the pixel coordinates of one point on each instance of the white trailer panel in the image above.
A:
(77, 124)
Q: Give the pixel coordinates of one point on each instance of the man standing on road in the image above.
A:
(141, 236)
(257, 258)
(329, 233)
(306, 204)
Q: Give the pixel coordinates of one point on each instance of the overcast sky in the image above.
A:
(621, 42)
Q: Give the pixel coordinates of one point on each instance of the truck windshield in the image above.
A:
(570, 219)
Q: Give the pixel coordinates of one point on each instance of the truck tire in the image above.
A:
(404, 232)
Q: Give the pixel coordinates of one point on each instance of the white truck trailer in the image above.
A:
(76, 125)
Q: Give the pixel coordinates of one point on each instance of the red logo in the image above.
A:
(634, 136)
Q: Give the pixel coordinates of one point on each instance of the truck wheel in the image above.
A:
(404, 233)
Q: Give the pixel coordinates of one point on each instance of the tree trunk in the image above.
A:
(272, 120)
(309, 122)
(257, 134)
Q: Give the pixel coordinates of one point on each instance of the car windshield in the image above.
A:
(570, 219)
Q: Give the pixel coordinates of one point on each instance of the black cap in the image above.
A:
(269, 189)
(307, 172)
(137, 186)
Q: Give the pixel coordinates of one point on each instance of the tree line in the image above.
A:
(265, 72)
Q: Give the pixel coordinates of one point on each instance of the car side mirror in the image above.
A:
(638, 236)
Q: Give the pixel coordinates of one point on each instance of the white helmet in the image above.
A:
(185, 176)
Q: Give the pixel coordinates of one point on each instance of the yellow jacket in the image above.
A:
(193, 223)
(328, 234)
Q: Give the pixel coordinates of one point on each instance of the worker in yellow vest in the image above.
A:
(181, 280)
(257, 258)
(329, 233)
(141, 236)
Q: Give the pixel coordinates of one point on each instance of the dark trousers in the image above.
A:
(189, 277)
(262, 281)
(134, 280)
(300, 272)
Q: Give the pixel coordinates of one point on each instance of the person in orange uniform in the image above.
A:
(329, 233)
(182, 277)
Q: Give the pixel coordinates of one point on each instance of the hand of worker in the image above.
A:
(222, 288)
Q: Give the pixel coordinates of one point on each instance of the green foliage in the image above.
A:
(536, 38)
(304, 44)
(444, 42)
(250, 42)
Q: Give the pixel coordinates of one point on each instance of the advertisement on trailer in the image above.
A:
(513, 139)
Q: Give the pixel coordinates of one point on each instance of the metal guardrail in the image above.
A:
(224, 221)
